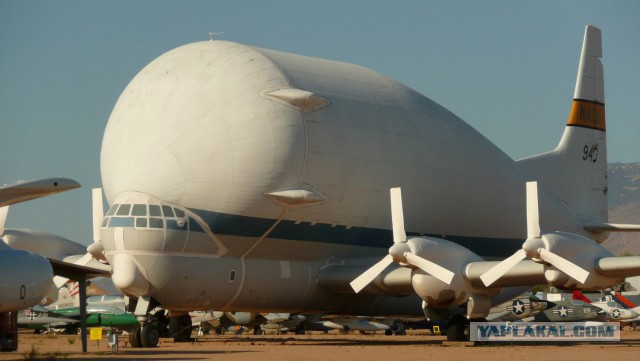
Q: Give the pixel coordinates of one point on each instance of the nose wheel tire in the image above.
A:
(149, 335)
(134, 337)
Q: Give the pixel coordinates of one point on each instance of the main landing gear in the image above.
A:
(458, 329)
(154, 325)
(145, 335)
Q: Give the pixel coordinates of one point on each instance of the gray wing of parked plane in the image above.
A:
(27, 190)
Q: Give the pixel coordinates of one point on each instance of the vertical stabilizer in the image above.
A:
(576, 171)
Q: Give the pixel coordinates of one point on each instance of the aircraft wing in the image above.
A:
(528, 272)
(397, 280)
(27, 190)
(72, 270)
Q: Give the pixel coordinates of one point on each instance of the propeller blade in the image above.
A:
(533, 221)
(3, 217)
(431, 268)
(84, 260)
(574, 271)
(497, 271)
(397, 216)
(369, 275)
(98, 213)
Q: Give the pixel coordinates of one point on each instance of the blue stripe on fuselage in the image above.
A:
(243, 226)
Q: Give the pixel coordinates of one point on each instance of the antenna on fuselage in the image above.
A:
(212, 35)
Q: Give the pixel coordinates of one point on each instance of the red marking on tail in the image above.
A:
(577, 295)
(622, 300)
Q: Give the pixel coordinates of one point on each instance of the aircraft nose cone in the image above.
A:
(128, 276)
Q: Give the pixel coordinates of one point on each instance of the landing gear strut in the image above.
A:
(147, 333)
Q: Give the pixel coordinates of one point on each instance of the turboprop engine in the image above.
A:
(570, 260)
(437, 266)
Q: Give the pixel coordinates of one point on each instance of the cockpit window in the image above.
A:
(141, 223)
(168, 211)
(112, 210)
(139, 210)
(146, 216)
(155, 222)
(121, 222)
(154, 210)
(123, 210)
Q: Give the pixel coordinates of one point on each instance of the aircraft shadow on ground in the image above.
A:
(302, 341)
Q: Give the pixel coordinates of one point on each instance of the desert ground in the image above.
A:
(318, 346)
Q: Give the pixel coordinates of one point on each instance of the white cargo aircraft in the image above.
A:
(246, 179)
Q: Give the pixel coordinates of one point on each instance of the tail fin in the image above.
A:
(577, 295)
(576, 171)
(625, 303)
(68, 296)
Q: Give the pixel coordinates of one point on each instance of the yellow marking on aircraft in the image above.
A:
(587, 114)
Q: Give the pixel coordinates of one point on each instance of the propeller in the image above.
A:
(534, 247)
(96, 249)
(402, 251)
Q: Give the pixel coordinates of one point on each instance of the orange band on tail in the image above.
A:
(587, 114)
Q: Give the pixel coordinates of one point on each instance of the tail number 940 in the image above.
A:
(590, 153)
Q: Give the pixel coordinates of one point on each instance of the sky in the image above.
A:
(507, 68)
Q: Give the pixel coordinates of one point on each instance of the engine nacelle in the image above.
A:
(454, 258)
(581, 251)
(240, 318)
(26, 279)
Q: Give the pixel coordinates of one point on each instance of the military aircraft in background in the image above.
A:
(517, 309)
(618, 307)
(40, 319)
(534, 309)
(243, 179)
(284, 322)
